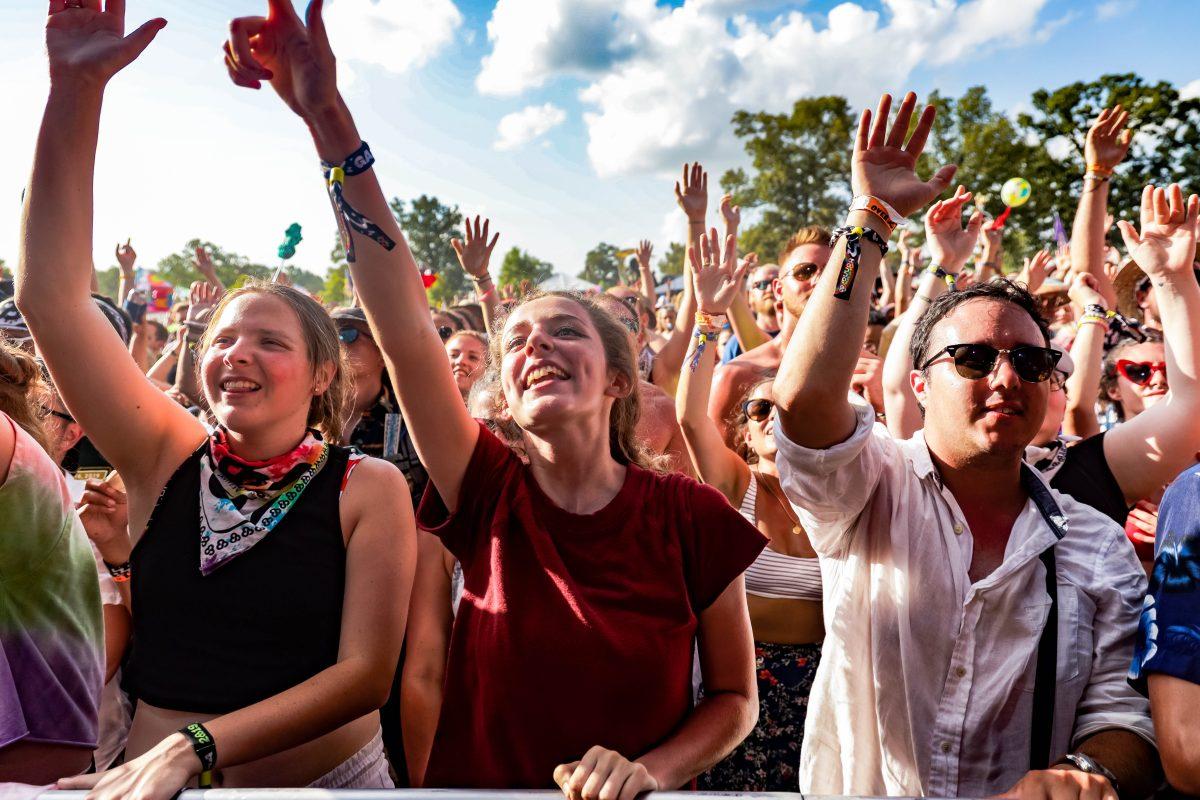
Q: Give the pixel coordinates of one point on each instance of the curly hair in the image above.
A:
(24, 393)
(739, 421)
(624, 446)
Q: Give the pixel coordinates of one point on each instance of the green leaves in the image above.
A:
(519, 267)
(601, 266)
(429, 225)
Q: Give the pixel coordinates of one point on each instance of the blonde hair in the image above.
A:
(24, 393)
(326, 411)
(624, 445)
(476, 335)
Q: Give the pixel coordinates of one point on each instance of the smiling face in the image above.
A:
(1134, 398)
(256, 371)
(553, 366)
(466, 354)
(995, 416)
(760, 436)
(797, 279)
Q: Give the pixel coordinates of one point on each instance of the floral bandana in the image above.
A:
(242, 501)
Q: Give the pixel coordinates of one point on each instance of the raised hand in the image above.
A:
(104, 512)
(1167, 242)
(126, 257)
(294, 56)
(885, 167)
(475, 252)
(731, 214)
(950, 243)
(89, 45)
(716, 277)
(1084, 291)
(1062, 261)
(204, 265)
(644, 251)
(1035, 271)
(202, 298)
(693, 196)
(1108, 139)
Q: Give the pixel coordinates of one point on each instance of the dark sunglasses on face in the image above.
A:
(63, 416)
(762, 286)
(445, 331)
(1140, 372)
(805, 271)
(974, 361)
(349, 335)
(758, 409)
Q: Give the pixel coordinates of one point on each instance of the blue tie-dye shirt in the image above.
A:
(1169, 632)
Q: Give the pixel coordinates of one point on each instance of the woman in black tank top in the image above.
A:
(271, 569)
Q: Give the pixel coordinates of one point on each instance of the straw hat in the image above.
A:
(1125, 284)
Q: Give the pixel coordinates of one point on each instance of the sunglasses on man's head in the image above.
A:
(758, 409)
(1140, 372)
(974, 361)
(804, 271)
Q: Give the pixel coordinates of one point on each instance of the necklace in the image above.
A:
(787, 507)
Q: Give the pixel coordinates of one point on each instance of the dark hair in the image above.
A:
(739, 419)
(1003, 290)
(879, 316)
(472, 313)
(160, 330)
(1108, 377)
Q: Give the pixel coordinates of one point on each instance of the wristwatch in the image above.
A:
(1085, 763)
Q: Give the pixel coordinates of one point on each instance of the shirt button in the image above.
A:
(958, 529)
(960, 671)
(945, 747)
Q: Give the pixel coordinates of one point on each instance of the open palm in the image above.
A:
(716, 276)
(884, 166)
(91, 44)
(950, 244)
(1166, 243)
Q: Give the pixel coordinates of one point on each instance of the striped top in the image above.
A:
(775, 574)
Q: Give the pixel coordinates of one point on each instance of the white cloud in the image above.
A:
(1191, 90)
(397, 35)
(521, 127)
(1114, 8)
(664, 82)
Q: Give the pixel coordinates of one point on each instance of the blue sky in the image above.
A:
(564, 120)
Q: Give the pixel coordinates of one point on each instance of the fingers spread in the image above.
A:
(916, 144)
(899, 130)
(879, 131)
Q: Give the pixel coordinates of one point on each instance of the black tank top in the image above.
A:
(261, 623)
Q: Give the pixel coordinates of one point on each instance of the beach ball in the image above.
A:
(1015, 192)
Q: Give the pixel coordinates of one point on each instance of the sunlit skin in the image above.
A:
(466, 354)
(794, 293)
(557, 333)
(1056, 409)
(990, 419)
(258, 339)
(1136, 399)
(760, 436)
(762, 301)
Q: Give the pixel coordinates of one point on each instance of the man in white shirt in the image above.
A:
(935, 552)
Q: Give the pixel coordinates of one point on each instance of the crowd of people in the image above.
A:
(841, 523)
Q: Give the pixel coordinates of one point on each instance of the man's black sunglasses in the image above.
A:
(974, 361)
(350, 334)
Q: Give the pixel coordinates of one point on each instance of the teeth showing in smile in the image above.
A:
(239, 385)
(542, 373)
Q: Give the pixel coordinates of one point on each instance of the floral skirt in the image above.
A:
(769, 759)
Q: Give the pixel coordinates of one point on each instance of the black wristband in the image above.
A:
(202, 742)
(356, 163)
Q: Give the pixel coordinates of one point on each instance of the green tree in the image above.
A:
(1166, 146)
(303, 279)
(336, 291)
(671, 263)
(232, 268)
(109, 279)
(601, 265)
(801, 163)
(429, 225)
(519, 266)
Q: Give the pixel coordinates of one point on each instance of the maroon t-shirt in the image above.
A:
(574, 630)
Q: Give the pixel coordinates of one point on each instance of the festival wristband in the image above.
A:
(888, 215)
(702, 337)
(206, 750)
(1097, 310)
(950, 278)
(120, 572)
(1098, 170)
(854, 235)
(347, 217)
(709, 323)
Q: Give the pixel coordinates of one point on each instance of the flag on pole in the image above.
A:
(1060, 232)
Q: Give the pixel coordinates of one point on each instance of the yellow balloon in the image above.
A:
(1015, 192)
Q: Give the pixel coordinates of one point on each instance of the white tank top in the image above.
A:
(775, 574)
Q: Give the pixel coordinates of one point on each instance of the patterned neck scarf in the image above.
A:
(242, 501)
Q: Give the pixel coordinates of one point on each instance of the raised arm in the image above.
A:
(474, 253)
(1105, 147)
(126, 259)
(950, 245)
(205, 266)
(741, 318)
(1148, 451)
(141, 431)
(646, 271)
(814, 378)
(296, 58)
(991, 256)
(692, 197)
(716, 278)
(1087, 351)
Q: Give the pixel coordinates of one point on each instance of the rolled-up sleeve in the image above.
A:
(1109, 701)
(830, 488)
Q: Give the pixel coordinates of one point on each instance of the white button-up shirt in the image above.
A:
(925, 685)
